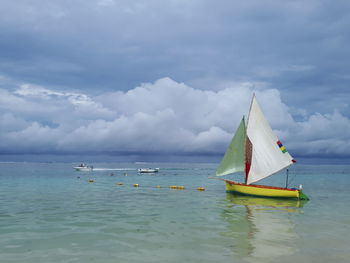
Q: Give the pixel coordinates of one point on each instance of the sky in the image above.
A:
(162, 77)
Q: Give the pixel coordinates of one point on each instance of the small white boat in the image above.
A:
(148, 170)
(84, 168)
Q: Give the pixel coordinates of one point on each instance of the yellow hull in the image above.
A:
(263, 191)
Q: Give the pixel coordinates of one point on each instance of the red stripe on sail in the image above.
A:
(247, 169)
(248, 157)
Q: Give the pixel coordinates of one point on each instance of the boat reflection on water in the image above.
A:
(262, 229)
(273, 203)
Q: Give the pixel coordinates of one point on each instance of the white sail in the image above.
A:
(268, 156)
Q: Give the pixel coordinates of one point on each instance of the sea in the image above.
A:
(51, 213)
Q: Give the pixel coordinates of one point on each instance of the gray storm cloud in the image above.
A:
(160, 117)
(68, 71)
(299, 47)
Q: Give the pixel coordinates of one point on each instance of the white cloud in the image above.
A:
(55, 104)
(36, 91)
(164, 116)
(322, 134)
(11, 123)
(106, 3)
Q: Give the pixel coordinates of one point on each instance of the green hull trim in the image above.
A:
(303, 196)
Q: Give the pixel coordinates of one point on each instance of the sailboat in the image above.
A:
(256, 150)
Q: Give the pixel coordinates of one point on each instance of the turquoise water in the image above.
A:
(51, 213)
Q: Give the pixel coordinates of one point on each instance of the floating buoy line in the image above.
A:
(174, 187)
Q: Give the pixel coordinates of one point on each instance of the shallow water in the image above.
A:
(50, 213)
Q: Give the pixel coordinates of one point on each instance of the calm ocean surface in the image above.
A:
(51, 213)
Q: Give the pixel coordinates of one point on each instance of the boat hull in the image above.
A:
(83, 169)
(264, 191)
(148, 170)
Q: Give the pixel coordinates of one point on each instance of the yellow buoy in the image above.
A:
(120, 184)
(173, 187)
(157, 186)
(91, 181)
(136, 185)
(201, 189)
(180, 187)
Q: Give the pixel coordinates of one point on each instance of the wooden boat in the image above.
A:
(256, 150)
(266, 191)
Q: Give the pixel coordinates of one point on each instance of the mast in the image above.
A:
(248, 146)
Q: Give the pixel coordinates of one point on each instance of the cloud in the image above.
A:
(106, 45)
(322, 135)
(165, 116)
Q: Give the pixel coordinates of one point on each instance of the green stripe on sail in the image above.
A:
(233, 160)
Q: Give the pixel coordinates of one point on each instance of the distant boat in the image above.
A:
(84, 168)
(148, 170)
(256, 150)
